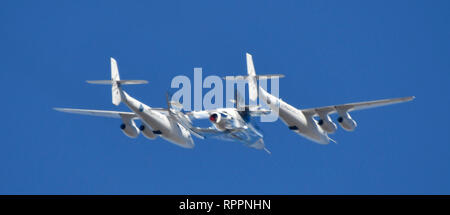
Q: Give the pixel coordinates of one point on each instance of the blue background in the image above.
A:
(331, 52)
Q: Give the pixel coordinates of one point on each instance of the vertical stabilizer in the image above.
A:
(116, 99)
(116, 83)
(252, 84)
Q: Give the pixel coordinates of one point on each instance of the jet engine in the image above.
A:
(147, 132)
(346, 121)
(326, 124)
(220, 120)
(130, 130)
(128, 127)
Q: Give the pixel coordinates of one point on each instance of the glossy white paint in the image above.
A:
(302, 121)
(157, 122)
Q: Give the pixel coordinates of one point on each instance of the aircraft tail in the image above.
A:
(116, 83)
(252, 84)
(252, 78)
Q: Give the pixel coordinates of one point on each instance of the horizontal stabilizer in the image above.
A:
(121, 82)
(258, 77)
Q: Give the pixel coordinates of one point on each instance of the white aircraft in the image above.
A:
(155, 121)
(174, 125)
(302, 121)
(232, 124)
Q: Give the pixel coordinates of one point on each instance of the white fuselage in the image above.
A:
(305, 126)
(159, 123)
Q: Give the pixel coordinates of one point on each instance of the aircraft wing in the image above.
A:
(259, 112)
(213, 132)
(204, 114)
(207, 131)
(199, 114)
(355, 106)
(107, 113)
(102, 113)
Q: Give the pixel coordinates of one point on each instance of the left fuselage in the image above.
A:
(159, 123)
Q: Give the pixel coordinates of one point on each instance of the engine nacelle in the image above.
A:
(219, 120)
(147, 132)
(346, 122)
(326, 124)
(130, 129)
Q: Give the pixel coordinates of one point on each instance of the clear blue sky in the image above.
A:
(331, 52)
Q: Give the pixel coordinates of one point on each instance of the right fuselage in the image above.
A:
(305, 126)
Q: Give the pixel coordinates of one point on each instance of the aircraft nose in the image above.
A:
(320, 138)
(213, 117)
(189, 143)
(325, 139)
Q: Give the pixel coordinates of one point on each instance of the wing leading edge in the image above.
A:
(102, 113)
(355, 106)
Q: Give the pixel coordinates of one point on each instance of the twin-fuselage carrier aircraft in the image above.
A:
(234, 124)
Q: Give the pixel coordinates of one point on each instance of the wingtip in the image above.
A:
(58, 109)
(409, 98)
(334, 141)
(406, 99)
